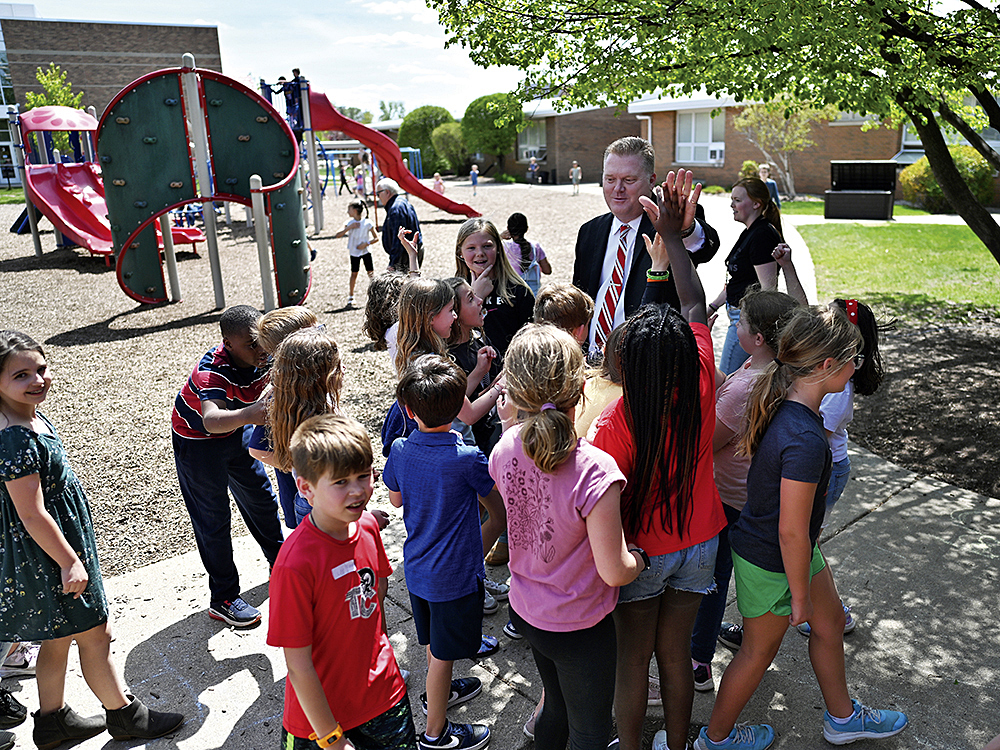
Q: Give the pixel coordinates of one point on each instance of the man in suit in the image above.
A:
(611, 258)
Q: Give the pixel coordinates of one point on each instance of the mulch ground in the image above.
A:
(118, 365)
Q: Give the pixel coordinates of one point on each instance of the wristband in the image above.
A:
(657, 275)
(713, 307)
(643, 555)
(685, 233)
(330, 739)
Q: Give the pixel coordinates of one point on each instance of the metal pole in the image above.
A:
(22, 173)
(88, 141)
(263, 248)
(314, 181)
(171, 259)
(196, 119)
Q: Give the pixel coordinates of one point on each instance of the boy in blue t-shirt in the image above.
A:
(437, 479)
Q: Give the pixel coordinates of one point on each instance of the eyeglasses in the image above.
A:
(859, 360)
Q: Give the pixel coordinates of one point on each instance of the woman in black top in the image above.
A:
(750, 262)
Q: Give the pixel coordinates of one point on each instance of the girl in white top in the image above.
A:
(358, 230)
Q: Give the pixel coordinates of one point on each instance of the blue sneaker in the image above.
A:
(743, 737)
(458, 737)
(237, 613)
(849, 623)
(462, 690)
(865, 723)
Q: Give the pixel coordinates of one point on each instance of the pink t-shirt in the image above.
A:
(730, 409)
(554, 581)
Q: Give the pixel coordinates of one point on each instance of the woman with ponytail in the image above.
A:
(567, 551)
(750, 262)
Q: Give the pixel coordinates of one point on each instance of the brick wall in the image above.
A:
(102, 58)
(811, 167)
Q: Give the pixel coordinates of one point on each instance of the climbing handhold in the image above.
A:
(279, 206)
(262, 119)
(215, 102)
(140, 204)
(118, 183)
(177, 184)
(232, 181)
(285, 152)
(105, 160)
(122, 120)
(170, 102)
(243, 138)
(278, 175)
(149, 139)
(296, 243)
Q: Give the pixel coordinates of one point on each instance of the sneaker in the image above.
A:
(653, 695)
(864, 723)
(731, 635)
(21, 660)
(511, 632)
(660, 740)
(405, 674)
(462, 690)
(529, 727)
(12, 713)
(237, 613)
(458, 737)
(703, 682)
(489, 604)
(350, 301)
(743, 737)
(488, 646)
(849, 623)
(499, 591)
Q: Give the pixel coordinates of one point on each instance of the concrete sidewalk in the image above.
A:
(914, 557)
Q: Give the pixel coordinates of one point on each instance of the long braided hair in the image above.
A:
(661, 369)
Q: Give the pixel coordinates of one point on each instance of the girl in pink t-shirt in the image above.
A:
(567, 549)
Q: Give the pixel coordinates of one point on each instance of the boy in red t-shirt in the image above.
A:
(343, 686)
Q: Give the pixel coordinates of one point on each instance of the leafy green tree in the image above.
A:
(416, 130)
(491, 123)
(391, 111)
(780, 128)
(356, 114)
(56, 91)
(450, 146)
(895, 59)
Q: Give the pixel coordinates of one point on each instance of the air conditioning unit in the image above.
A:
(717, 155)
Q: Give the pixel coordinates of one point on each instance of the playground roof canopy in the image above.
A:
(56, 118)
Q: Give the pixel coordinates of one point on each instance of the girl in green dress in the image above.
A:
(50, 579)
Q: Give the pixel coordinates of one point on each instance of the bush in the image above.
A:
(714, 190)
(450, 146)
(749, 169)
(416, 130)
(482, 135)
(919, 185)
(508, 179)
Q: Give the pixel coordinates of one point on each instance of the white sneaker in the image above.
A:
(21, 660)
(489, 604)
(660, 740)
(498, 591)
(350, 301)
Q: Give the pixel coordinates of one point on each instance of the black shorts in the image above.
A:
(356, 263)
(454, 629)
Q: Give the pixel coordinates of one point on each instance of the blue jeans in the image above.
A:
(732, 353)
(207, 471)
(839, 474)
(577, 668)
(713, 606)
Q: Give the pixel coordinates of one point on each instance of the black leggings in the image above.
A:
(578, 673)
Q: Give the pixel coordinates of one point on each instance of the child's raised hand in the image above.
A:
(74, 579)
(782, 254)
(657, 252)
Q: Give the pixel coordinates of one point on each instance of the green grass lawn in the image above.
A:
(815, 208)
(14, 195)
(915, 270)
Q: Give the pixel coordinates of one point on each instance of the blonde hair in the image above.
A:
(544, 366)
(810, 337)
(419, 302)
(307, 378)
(505, 278)
(330, 445)
(272, 327)
(564, 306)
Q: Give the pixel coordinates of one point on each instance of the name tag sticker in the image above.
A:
(342, 570)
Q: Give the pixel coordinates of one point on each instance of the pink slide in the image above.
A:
(71, 196)
(326, 117)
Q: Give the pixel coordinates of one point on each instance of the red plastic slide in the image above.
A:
(71, 196)
(326, 117)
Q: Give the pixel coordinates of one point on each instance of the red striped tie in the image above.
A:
(606, 318)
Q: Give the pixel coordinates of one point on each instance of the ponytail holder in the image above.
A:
(778, 362)
(547, 406)
(852, 310)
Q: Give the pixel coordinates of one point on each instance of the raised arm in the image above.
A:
(783, 255)
(676, 202)
(411, 249)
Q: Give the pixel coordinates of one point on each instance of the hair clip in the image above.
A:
(852, 310)
(547, 406)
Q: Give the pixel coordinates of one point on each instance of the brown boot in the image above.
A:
(51, 730)
(136, 721)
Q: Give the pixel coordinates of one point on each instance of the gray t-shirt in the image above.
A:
(794, 447)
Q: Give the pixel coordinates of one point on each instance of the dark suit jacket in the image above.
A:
(592, 243)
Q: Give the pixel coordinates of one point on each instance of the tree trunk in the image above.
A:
(955, 189)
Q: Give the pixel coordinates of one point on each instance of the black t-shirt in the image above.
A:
(794, 447)
(504, 319)
(487, 430)
(753, 248)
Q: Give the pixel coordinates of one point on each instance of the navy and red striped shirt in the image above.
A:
(215, 378)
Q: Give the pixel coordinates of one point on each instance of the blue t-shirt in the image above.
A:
(260, 440)
(440, 479)
(794, 447)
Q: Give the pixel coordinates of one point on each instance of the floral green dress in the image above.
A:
(32, 604)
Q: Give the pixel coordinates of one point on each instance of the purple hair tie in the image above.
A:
(547, 406)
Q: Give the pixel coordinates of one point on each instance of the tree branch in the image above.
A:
(989, 105)
(973, 137)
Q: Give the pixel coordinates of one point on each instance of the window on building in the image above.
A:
(701, 138)
(531, 142)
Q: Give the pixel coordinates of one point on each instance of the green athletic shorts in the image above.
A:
(759, 591)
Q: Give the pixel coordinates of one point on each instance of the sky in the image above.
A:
(358, 52)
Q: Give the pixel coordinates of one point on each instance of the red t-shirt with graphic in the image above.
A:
(324, 595)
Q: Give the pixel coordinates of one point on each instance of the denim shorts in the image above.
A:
(690, 569)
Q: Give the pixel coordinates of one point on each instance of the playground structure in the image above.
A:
(241, 151)
(69, 194)
(316, 112)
